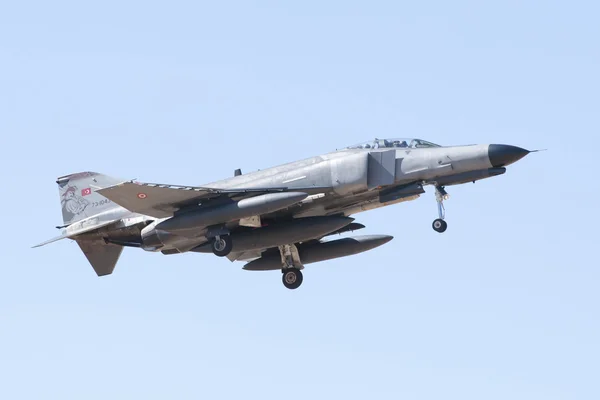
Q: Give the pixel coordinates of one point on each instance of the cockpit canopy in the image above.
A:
(394, 143)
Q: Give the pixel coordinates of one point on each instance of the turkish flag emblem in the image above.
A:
(86, 192)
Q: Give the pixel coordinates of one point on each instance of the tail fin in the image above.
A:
(78, 197)
(79, 200)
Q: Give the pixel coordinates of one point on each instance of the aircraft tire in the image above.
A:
(292, 278)
(439, 225)
(222, 246)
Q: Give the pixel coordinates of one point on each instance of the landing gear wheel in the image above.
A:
(439, 225)
(222, 245)
(292, 278)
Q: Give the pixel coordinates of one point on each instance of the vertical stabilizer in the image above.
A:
(78, 197)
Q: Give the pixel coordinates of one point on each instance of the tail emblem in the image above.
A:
(72, 203)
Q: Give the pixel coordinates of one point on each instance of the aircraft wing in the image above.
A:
(162, 201)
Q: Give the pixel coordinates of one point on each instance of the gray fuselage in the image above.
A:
(340, 183)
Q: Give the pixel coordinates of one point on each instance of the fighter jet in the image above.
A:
(279, 218)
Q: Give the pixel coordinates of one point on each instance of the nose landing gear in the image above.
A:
(439, 225)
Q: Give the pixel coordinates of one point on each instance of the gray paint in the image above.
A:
(381, 169)
(344, 182)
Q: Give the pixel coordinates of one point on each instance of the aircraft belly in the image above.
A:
(182, 246)
(286, 232)
(373, 204)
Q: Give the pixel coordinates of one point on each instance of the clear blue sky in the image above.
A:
(504, 305)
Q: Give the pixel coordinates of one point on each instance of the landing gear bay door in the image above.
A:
(382, 168)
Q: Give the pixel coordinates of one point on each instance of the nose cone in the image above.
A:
(502, 155)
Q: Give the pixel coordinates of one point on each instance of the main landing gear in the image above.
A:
(222, 245)
(291, 266)
(292, 278)
(439, 225)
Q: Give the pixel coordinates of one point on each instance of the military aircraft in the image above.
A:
(274, 219)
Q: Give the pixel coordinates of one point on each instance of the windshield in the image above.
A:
(394, 143)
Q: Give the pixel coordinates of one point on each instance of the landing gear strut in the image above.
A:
(291, 266)
(439, 225)
(222, 245)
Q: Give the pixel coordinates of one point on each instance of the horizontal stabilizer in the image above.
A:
(55, 239)
(102, 256)
(84, 226)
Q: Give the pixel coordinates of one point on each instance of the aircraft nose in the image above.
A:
(502, 155)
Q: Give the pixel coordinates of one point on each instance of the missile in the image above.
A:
(294, 231)
(220, 214)
(322, 251)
